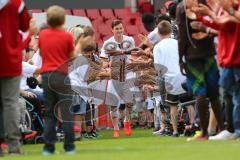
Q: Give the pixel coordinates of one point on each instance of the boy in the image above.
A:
(166, 54)
(56, 48)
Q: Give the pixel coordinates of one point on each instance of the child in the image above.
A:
(166, 54)
(56, 48)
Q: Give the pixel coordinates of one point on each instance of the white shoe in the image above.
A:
(234, 136)
(159, 132)
(224, 135)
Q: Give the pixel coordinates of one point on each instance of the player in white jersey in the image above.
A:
(119, 44)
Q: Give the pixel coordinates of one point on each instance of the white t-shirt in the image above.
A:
(27, 71)
(166, 54)
(78, 76)
(37, 59)
(150, 103)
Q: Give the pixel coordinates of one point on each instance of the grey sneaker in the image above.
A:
(14, 148)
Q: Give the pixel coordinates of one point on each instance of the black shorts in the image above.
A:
(176, 99)
(122, 106)
(172, 99)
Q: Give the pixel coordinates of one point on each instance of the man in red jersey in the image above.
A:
(13, 17)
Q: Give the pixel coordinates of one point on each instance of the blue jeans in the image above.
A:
(38, 93)
(230, 81)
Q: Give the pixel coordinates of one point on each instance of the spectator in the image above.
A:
(13, 17)
(194, 55)
(56, 48)
(226, 21)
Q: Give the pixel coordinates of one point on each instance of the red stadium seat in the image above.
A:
(132, 30)
(107, 37)
(140, 2)
(104, 30)
(93, 14)
(107, 14)
(122, 13)
(79, 12)
(97, 22)
(68, 11)
(97, 36)
(109, 22)
(127, 21)
(146, 7)
(36, 11)
(142, 29)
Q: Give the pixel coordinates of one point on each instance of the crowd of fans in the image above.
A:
(184, 76)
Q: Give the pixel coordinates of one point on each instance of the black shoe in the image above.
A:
(96, 135)
(70, 149)
(48, 149)
(87, 135)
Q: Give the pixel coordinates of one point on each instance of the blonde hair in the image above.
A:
(76, 32)
(55, 16)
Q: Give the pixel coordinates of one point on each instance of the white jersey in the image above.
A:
(166, 54)
(121, 90)
(112, 44)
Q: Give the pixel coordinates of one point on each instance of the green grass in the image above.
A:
(141, 146)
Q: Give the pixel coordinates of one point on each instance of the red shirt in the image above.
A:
(13, 17)
(55, 47)
(229, 43)
(229, 46)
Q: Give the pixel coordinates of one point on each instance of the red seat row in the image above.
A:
(101, 20)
